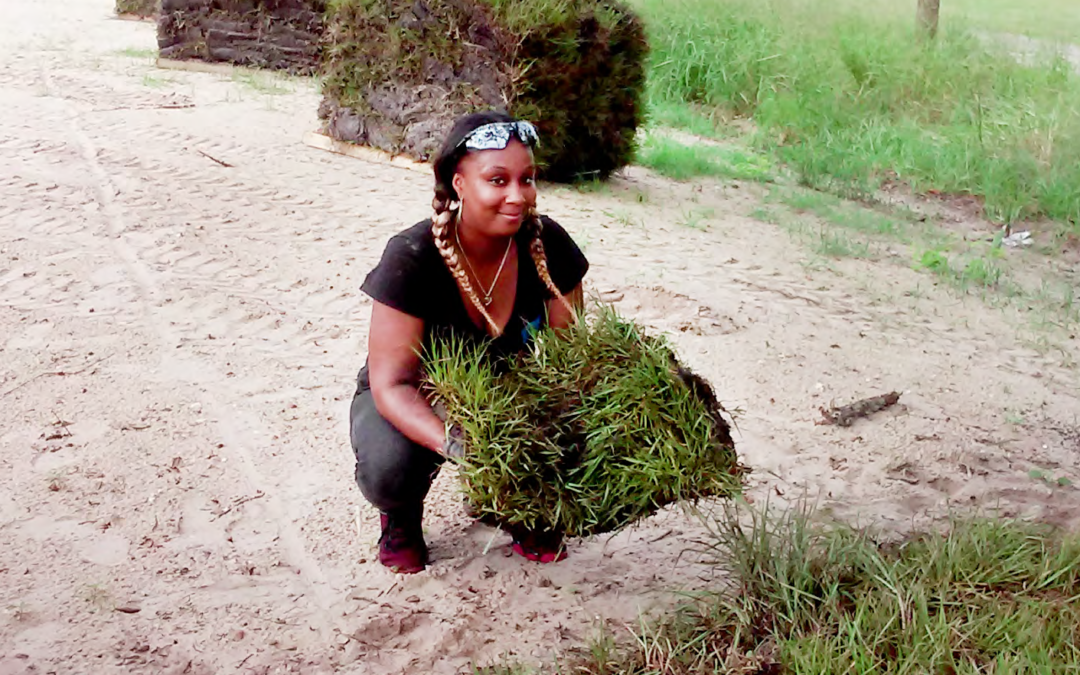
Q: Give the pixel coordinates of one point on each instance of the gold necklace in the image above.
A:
(487, 295)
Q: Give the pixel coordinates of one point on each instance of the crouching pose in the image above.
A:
(484, 267)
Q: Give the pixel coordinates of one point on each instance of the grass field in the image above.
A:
(1047, 19)
(848, 97)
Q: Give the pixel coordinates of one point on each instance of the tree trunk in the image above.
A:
(928, 18)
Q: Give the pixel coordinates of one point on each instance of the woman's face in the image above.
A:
(496, 188)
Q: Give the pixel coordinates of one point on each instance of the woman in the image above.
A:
(485, 267)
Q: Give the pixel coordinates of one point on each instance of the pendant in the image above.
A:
(487, 301)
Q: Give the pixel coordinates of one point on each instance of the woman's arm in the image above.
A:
(394, 374)
(558, 315)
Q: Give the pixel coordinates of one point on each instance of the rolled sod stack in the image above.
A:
(398, 72)
(274, 34)
(597, 427)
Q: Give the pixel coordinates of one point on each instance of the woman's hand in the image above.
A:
(454, 445)
(394, 343)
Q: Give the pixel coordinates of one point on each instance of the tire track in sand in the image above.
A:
(231, 428)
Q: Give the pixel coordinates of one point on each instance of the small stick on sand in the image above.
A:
(490, 542)
(215, 159)
(243, 500)
(845, 416)
(59, 373)
(160, 106)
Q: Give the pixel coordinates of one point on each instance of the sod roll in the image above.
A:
(596, 427)
(272, 34)
(398, 72)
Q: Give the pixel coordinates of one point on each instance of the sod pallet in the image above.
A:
(595, 428)
(398, 72)
(273, 34)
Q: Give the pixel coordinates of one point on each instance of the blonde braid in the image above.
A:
(440, 229)
(536, 251)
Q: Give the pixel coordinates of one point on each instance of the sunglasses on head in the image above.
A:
(497, 135)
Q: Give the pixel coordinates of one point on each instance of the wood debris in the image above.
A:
(845, 416)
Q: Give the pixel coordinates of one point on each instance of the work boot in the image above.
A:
(544, 547)
(401, 546)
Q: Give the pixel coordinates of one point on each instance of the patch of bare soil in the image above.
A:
(180, 325)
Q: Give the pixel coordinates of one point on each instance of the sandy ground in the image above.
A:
(180, 338)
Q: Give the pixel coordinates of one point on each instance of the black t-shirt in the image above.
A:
(413, 278)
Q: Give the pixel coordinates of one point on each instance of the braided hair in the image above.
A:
(447, 207)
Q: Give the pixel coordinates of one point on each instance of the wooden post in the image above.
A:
(928, 18)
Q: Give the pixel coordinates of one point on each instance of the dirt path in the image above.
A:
(179, 341)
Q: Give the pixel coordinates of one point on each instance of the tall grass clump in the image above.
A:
(850, 100)
(985, 596)
(596, 427)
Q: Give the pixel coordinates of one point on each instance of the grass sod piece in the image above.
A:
(397, 73)
(596, 427)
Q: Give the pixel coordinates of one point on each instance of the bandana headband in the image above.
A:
(496, 136)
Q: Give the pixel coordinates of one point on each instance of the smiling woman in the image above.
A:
(486, 268)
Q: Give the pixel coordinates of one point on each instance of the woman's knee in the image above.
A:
(392, 471)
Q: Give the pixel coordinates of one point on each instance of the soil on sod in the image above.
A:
(274, 34)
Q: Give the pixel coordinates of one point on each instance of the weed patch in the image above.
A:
(262, 83)
(841, 213)
(135, 53)
(973, 272)
(145, 8)
(677, 160)
(156, 82)
(810, 598)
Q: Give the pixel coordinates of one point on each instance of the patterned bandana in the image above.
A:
(496, 135)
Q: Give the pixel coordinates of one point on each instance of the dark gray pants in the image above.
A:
(393, 473)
